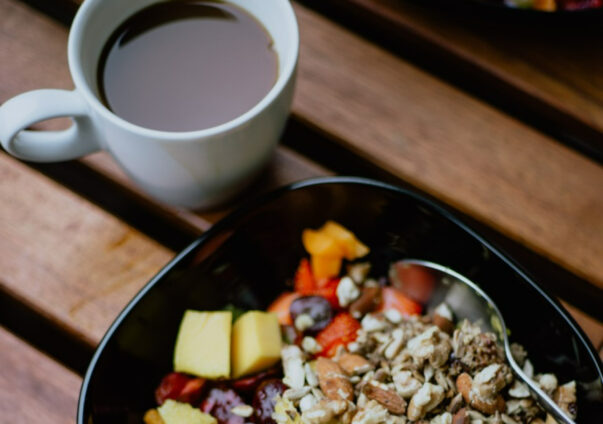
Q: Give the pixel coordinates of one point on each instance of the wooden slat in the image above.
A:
(479, 160)
(33, 388)
(420, 129)
(66, 258)
(553, 66)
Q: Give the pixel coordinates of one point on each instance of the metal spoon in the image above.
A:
(469, 301)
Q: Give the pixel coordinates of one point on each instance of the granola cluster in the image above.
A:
(416, 369)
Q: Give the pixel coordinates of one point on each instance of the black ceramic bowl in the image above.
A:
(247, 258)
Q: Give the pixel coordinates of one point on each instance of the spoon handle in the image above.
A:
(543, 399)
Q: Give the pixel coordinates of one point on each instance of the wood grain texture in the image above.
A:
(33, 388)
(479, 160)
(555, 65)
(64, 257)
(319, 69)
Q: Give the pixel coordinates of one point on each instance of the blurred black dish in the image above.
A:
(247, 258)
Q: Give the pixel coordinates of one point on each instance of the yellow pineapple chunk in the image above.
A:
(203, 344)
(256, 343)
(173, 412)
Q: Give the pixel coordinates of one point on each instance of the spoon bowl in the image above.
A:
(468, 301)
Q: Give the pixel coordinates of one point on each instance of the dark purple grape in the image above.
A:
(317, 307)
(219, 402)
(265, 399)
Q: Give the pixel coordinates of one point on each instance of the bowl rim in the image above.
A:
(266, 198)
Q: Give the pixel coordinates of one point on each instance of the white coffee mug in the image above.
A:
(195, 169)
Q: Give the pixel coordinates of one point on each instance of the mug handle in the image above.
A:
(28, 108)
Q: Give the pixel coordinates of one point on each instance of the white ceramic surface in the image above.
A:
(194, 169)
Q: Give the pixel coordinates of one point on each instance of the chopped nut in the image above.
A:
(396, 343)
(372, 413)
(354, 364)
(242, 411)
(296, 394)
(310, 375)
(406, 385)
(293, 366)
(347, 291)
(333, 381)
(432, 344)
(324, 411)
(444, 418)
(442, 317)
(371, 323)
(303, 322)
(307, 402)
(424, 400)
(391, 400)
(359, 271)
(565, 397)
(393, 315)
(547, 382)
(528, 368)
(310, 345)
(152, 417)
(519, 390)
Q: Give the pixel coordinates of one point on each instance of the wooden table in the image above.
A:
(504, 127)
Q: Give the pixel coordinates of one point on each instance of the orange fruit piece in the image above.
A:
(281, 307)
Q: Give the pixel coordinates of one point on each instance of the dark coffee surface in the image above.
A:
(186, 65)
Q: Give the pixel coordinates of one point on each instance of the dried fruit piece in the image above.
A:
(351, 246)
(249, 384)
(391, 400)
(265, 399)
(325, 266)
(317, 242)
(341, 331)
(328, 290)
(219, 403)
(333, 381)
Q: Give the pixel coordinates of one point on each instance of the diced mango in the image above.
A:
(325, 266)
(203, 344)
(256, 343)
(347, 241)
(320, 243)
(173, 412)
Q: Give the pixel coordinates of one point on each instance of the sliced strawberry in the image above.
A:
(304, 282)
(180, 387)
(328, 290)
(392, 298)
(341, 331)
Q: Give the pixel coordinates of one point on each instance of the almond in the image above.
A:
(391, 400)
(461, 417)
(354, 364)
(333, 381)
(367, 302)
(443, 323)
(463, 385)
(487, 406)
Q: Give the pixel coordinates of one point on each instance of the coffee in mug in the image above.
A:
(186, 65)
(173, 153)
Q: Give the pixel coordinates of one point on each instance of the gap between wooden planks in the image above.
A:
(479, 160)
(557, 64)
(33, 388)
